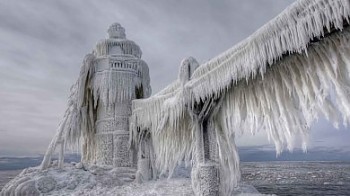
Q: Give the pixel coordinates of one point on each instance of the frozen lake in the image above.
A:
(298, 178)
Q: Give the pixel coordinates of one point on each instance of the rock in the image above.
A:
(46, 184)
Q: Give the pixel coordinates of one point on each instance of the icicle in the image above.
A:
(284, 102)
(289, 32)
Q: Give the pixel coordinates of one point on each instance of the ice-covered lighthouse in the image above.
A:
(120, 76)
(99, 106)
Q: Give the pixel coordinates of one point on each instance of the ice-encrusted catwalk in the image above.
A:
(278, 80)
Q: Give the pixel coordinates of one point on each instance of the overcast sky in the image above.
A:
(42, 44)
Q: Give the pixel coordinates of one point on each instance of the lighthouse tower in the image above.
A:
(119, 77)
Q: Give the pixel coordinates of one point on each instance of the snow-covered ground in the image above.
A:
(75, 179)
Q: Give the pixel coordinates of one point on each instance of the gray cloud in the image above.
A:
(42, 44)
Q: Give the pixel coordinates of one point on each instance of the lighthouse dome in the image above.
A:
(116, 31)
(117, 44)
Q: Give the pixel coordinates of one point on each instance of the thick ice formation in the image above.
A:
(99, 180)
(278, 80)
(100, 102)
